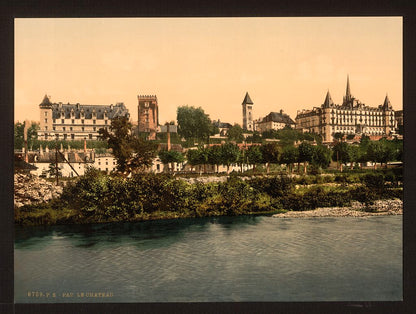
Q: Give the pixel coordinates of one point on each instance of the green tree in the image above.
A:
(270, 154)
(132, 153)
(306, 153)
(339, 136)
(235, 133)
(52, 170)
(32, 134)
(289, 156)
(194, 124)
(321, 156)
(229, 154)
(171, 157)
(193, 157)
(375, 152)
(214, 156)
(254, 156)
(341, 153)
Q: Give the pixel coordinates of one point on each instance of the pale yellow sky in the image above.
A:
(284, 63)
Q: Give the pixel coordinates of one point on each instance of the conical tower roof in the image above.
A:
(328, 100)
(247, 99)
(45, 101)
(386, 103)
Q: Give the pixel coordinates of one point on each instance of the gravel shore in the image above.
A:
(357, 209)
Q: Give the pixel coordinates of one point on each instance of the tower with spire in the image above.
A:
(247, 113)
(348, 99)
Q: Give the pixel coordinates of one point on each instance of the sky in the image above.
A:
(284, 64)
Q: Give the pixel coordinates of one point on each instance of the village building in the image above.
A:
(275, 121)
(60, 121)
(351, 117)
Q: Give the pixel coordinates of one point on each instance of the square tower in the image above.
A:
(148, 115)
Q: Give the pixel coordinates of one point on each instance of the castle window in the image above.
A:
(46, 120)
(72, 121)
(72, 136)
(94, 128)
(46, 128)
(62, 121)
(105, 121)
(93, 121)
(53, 128)
(65, 136)
(64, 129)
(46, 114)
(82, 121)
(90, 136)
(82, 129)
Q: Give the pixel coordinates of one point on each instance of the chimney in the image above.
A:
(168, 133)
(85, 145)
(40, 150)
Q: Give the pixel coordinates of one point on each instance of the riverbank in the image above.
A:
(357, 209)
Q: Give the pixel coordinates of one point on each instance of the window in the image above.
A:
(106, 163)
(93, 121)
(70, 128)
(90, 136)
(82, 121)
(99, 163)
(62, 121)
(53, 128)
(82, 129)
(46, 114)
(54, 120)
(72, 136)
(72, 121)
(46, 120)
(94, 129)
(105, 121)
(65, 136)
(46, 128)
(63, 128)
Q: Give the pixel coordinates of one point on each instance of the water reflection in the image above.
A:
(157, 233)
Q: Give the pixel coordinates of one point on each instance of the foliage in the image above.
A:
(235, 133)
(270, 154)
(132, 153)
(254, 155)
(229, 154)
(321, 156)
(171, 156)
(32, 134)
(194, 124)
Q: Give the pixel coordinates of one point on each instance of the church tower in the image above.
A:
(247, 113)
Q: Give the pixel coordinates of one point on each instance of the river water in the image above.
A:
(212, 259)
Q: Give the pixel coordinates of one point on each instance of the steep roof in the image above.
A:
(387, 103)
(328, 100)
(278, 117)
(112, 110)
(247, 99)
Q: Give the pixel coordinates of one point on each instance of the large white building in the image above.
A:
(60, 121)
(351, 117)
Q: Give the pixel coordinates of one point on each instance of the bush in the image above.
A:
(274, 186)
(374, 181)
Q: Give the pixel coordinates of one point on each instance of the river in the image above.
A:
(212, 259)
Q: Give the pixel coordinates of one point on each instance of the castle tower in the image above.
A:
(247, 113)
(328, 100)
(148, 115)
(45, 118)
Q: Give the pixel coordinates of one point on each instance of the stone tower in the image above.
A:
(388, 116)
(247, 113)
(45, 125)
(148, 115)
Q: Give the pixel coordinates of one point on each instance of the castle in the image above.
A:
(75, 121)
